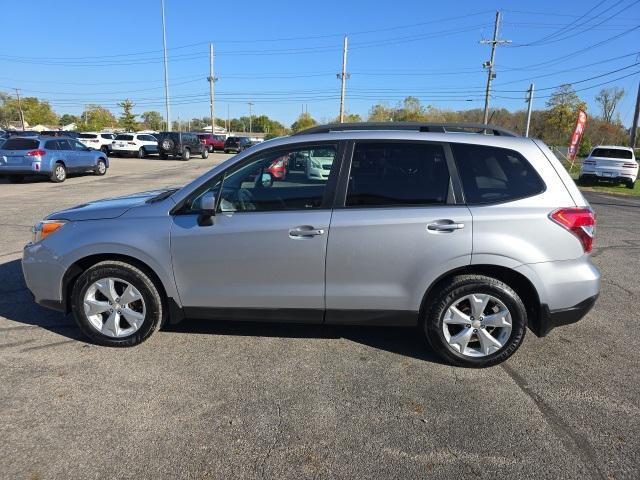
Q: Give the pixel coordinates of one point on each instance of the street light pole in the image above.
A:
(250, 117)
(166, 69)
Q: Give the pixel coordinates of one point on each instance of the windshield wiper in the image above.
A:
(163, 195)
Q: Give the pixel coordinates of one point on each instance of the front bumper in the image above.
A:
(43, 275)
(550, 319)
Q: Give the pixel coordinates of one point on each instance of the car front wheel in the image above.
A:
(205, 153)
(475, 321)
(116, 304)
(186, 154)
(101, 168)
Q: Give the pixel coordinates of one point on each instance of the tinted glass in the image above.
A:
(386, 174)
(64, 145)
(51, 145)
(88, 135)
(77, 145)
(612, 153)
(21, 144)
(124, 137)
(491, 174)
(108, 136)
(268, 183)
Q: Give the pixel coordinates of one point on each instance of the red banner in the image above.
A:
(576, 137)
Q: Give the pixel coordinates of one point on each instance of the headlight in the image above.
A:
(45, 228)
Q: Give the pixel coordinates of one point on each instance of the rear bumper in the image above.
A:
(550, 319)
(618, 174)
(22, 169)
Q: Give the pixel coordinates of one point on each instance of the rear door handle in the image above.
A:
(444, 226)
(305, 231)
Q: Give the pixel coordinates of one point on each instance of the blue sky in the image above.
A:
(285, 54)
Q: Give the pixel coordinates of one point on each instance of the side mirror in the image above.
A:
(207, 209)
(266, 180)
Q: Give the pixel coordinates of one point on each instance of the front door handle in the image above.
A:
(444, 226)
(305, 231)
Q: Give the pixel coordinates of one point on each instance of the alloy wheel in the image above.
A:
(477, 325)
(114, 307)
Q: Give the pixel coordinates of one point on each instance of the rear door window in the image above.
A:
(51, 145)
(492, 174)
(124, 137)
(21, 144)
(392, 174)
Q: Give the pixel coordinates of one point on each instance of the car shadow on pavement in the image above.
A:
(16, 304)
(401, 340)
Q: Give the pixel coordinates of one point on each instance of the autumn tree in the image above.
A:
(563, 106)
(608, 100)
(96, 118)
(303, 122)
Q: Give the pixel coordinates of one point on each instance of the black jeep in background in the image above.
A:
(180, 144)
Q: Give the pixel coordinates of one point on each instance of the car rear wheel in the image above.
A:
(59, 173)
(631, 184)
(104, 149)
(186, 154)
(475, 321)
(141, 152)
(205, 153)
(101, 168)
(116, 304)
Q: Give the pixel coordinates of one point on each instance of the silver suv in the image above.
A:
(467, 232)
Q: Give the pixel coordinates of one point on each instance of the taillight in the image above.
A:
(36, 153)
(579, 221)
(629, 165)
(131, 143)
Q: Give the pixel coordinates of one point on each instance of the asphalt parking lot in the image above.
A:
(217, 400)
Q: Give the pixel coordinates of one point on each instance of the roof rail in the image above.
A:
(415, 126)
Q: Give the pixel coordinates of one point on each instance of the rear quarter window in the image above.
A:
(612, 153)
(21, 144)
(495, 175)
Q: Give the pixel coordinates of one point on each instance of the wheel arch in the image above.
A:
(516, 280)
(79, 266)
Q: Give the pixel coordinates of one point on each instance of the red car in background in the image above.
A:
(213, 142)
(278, 168)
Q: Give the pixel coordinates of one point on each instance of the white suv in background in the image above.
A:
(97, 140)
(319, 164)
(610, 162)
(134, 144)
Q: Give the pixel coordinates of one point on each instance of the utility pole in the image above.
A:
(166, 69)
(530, 103)
(212, 80)
(343, 77)
(250, 116)
(228, 120)
(20, 108)
(491, 64)
(634, 125)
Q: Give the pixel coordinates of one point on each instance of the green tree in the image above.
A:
(68, 119)
(303, 122)
(152, 120)
(96, 118)
(35, 112)
(128, 118)
(560, 118)
(349, 118)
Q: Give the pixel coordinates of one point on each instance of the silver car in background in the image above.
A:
(467, 232)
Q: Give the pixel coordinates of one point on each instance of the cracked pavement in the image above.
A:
(222, 400)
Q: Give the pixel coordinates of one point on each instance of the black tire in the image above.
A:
(226, 150)
(101, 168)
(104, 149)
(458, 287)
(164, 156)
(142, 152)
(205, 153)
(15, 178)
(59, 173)
(140, 280)
(631, 184)
(186, 154)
